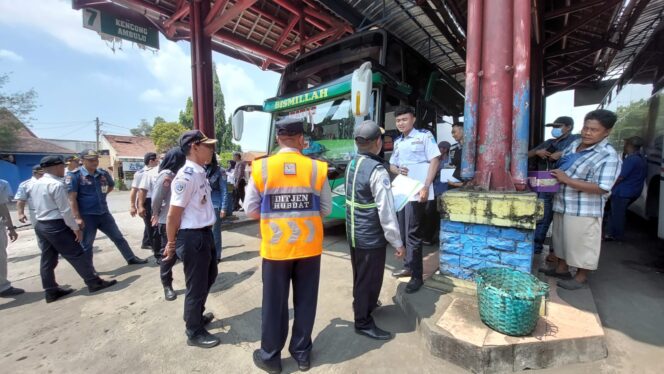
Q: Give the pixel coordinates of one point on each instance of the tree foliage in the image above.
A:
(143, 129)
(632, 121)
(157, 120)
(20, 104)
(186, 117)
(165, 135)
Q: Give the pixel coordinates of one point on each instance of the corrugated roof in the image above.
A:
(26, 141)
(130, 146)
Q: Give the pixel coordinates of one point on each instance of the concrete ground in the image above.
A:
(130, 328)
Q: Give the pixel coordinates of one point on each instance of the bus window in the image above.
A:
(328, 129)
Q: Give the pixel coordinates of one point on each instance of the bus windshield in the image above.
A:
(328, 129)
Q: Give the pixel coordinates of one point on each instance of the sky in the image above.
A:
(80, 77)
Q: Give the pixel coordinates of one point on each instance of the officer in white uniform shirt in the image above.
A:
(58, 233)
(189, 233)
(150, 161)
(23, 196)
(415, 148)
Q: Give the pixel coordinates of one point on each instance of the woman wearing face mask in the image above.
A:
(545, 157)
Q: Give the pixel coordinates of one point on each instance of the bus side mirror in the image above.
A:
(238, 124)
(361, 90)
(238, 119)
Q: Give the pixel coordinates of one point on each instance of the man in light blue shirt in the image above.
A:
(415, 150)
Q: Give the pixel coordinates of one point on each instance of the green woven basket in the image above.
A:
(509, 300)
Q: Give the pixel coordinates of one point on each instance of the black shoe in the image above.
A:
(137, 261)
(304, 365)
(169, 294)
(375, 333)
(101, 284)
(53, 295)
(144, 246)
(552, 273)
(258, 361)
(11, 291)
(207, 318)
(414, 285)
(402, 273)
(203, 340)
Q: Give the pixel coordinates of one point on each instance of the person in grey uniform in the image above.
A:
(161, 200)
(414, 149)
(23, 196)
(371, 223)
(189, 234)
(58, 232)
(7, 228)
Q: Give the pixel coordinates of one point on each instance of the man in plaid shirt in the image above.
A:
(586, 171)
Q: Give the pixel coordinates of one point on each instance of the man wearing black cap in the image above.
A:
(58, 232)
(371, 223)
(290, 194)
(189, 233)
(545, 156)
(150, 161)
(88, 187)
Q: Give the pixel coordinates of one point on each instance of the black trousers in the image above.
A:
(195, 247)
(368, 266)
(154, 240)
(411, 223)
(277, 276)
(431, 222)
(166, 266)
(56, 238)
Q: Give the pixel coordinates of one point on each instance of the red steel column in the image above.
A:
(521, 97)
(473, 66)
(495, 117)
(201, 68)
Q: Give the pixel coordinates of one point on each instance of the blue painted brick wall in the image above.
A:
(466, 248)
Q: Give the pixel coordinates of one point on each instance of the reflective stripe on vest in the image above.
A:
(291, 226)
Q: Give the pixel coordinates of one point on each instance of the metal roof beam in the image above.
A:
(579, 23)
(572, 8)
(591, 47)
(442, 28)
(219, 22)
(346, 12)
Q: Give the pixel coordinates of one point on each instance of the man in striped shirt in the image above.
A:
(586, 171)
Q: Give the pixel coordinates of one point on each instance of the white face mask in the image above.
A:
(557, 132)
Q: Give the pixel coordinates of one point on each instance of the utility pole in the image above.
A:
(97, 132)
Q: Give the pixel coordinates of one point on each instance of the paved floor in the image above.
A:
(130, 328)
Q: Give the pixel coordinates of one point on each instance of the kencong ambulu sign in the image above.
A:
(119, 27)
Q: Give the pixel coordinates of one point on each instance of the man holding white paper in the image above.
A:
(416, 156)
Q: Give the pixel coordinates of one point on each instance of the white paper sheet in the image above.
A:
(403, 189)
(447, 175)
(419, 173)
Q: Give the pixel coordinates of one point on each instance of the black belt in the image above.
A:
(206, 228)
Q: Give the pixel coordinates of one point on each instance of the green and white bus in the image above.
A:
(317, 88)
